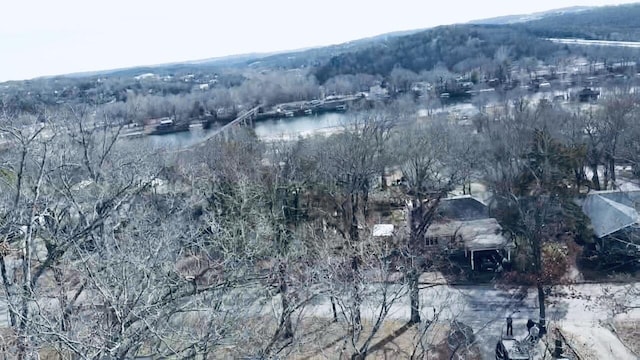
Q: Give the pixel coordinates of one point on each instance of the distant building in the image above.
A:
(145, 76)
(587, 95)
(377, 91)
(383, 230)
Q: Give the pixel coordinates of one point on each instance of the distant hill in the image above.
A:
(422, 49)
(620, 22)
(287, 58)
(447, 45)
(514, 19)
(523, 35)
(173, 68)
(318, 55)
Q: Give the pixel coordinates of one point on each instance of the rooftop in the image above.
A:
(481, 234)
(383, 230)
(464, 207)
(611, 211)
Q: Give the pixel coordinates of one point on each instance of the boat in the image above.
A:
(167, 126)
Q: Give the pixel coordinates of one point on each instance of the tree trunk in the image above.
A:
(543, 324)
(357, 320)
(365, 205)
(612, 171)
(7, 288)
(595, 178)
(353, 228)
(414, 296)
(286, 330)
(578, 177)
(357, 297)
(333, 309)
(27, 291)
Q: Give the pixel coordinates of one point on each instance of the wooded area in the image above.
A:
(243, 247)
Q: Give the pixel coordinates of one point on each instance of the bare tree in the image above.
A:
(616, 112)
(65, 190)
(429, 174)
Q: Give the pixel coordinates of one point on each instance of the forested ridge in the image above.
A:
(619, 23)
(456, 44)
(445, 45)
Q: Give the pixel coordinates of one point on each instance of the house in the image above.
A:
(377, 92)
(463, 224)
(463, 207)
(615, 218)
(479, 239)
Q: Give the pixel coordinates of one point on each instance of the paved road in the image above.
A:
(481, 307)
(485, 308)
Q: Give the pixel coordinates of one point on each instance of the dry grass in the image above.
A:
(394, 340)
(320, 338)
(629, 333)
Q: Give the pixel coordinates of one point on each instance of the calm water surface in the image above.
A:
(267, 129)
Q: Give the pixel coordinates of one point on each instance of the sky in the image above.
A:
(45, 37)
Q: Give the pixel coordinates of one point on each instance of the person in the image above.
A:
(506, 265)
(530, 324)
(509, 326)
(534, 332)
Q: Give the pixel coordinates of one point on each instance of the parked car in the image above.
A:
(511, 349)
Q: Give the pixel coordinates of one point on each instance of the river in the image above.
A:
(292, 128)
(631, 44)
(267, 130)
(288, 128)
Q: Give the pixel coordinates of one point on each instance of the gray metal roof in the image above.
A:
(611, 211)
(464, 207)
(481, 234)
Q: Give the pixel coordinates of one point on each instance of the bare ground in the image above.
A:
(325, 339)
(595, 342)
(628, 332)
(395, 340)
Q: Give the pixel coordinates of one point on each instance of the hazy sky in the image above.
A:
(47, 37)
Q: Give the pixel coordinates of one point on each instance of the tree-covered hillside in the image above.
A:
(606, 23)
(452, 45)
(446, 45)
